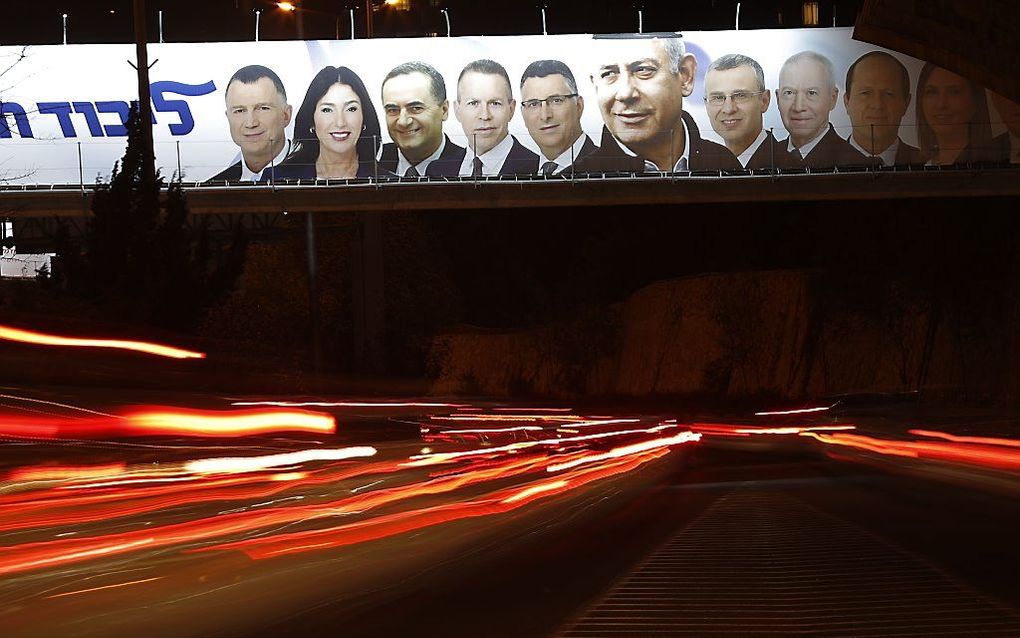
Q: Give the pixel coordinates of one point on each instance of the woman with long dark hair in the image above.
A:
(336, 130)
(952, 118)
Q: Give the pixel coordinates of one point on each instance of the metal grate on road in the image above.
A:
(762, 563)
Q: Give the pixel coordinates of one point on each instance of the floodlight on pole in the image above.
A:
(161, 26)
(64, 17)
(287, 6)
(446, 14)
(640, 21)
(736, 22)
(352, 24)
(258, 14)
(544, 30)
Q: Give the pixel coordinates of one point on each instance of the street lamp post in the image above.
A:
(144, 92)
(64, 18)
(258, 14)
(446, 14)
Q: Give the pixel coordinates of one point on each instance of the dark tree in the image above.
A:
(140, 261)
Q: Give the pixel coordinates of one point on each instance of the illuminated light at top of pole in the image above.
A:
(38, 338)
(241, 423)
(231, 465)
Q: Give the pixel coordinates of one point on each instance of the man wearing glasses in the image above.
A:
(807, 94)
(736, 100)
(552, 111)
(484, 107)
(640, 82)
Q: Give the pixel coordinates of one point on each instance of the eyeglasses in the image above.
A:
(555, 101)
(738, 97)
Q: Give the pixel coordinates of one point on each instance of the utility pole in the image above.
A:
(368, 18)
(144, 94)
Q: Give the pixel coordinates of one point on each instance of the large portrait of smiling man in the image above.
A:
(640, 83)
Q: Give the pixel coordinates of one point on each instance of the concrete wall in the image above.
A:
(739, 335)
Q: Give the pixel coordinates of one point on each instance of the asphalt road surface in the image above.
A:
(156, 515)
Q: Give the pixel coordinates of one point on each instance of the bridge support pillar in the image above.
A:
(369, 300)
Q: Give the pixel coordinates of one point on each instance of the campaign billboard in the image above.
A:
(475, 107)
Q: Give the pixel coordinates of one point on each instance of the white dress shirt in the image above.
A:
(492, 159)
(888, 156)
(745, 157)
(805, 150)
(567, 157)
(682, 164)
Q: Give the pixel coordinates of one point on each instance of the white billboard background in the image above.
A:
(102, 73)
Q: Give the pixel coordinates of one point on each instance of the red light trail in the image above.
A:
(38, 338)
(162, 421)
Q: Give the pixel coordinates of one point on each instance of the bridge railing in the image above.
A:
(63, 165)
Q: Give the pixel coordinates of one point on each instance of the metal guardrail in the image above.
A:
(383, 181)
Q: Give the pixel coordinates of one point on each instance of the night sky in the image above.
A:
(92, 21)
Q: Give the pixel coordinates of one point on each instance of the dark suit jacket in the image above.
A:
(586, 150)
(232, 173)
(772, 153)
(520, 161)
(446, 165)
(704, 155)
(907, 154)
(832, 150)
(229, 174)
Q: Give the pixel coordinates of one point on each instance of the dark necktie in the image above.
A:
(412, 172)
(549, 168)
(476, 167)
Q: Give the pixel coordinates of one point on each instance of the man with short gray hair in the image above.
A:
(257, 114)
(640, 82)
(736, 100)
(807, 94)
